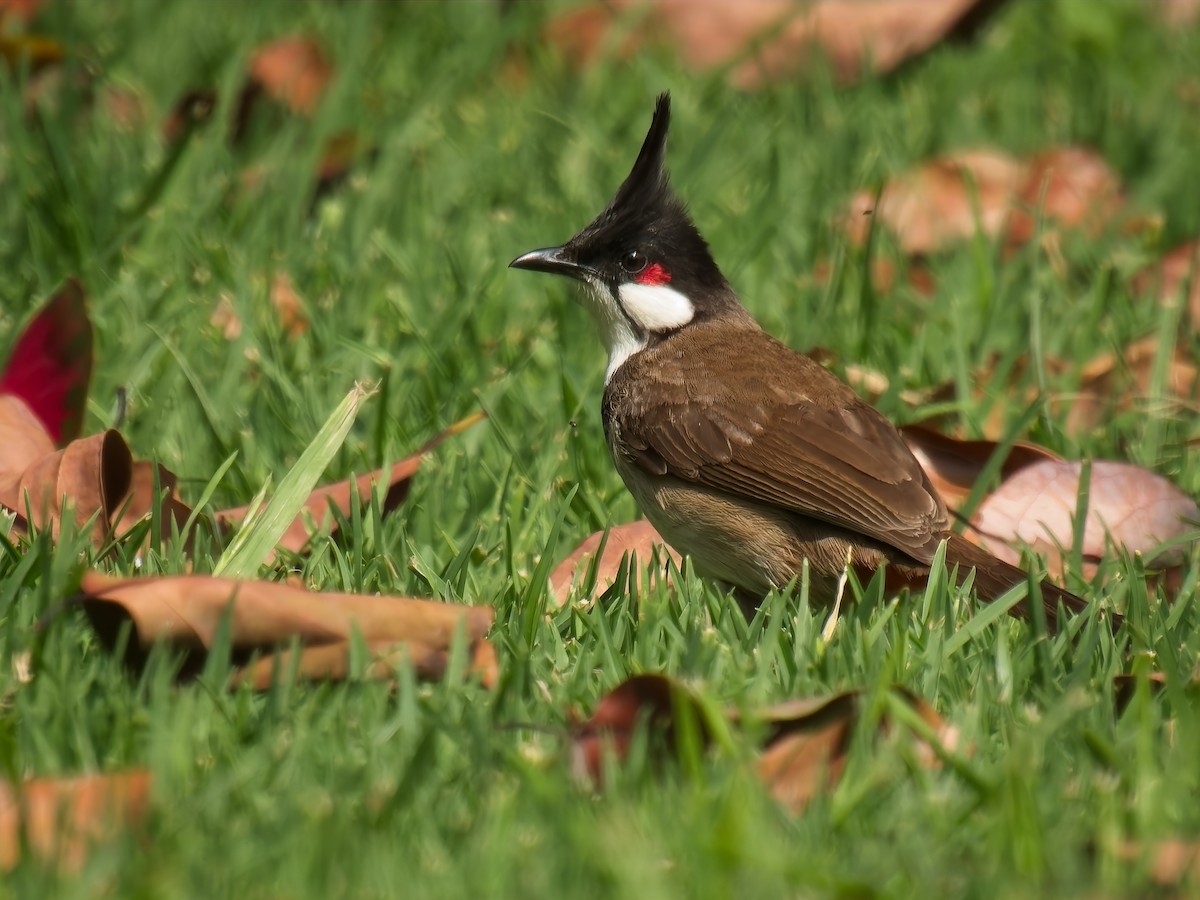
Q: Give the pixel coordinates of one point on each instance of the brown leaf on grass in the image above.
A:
(809, 741)
(1166, 279)
(187, 611)
(639, 538)
(770, 40)
(91, 474)
(332, 662)
(806, 742)
(941, 202)
(316, 514)
(1072, 187)
(24, 11)
(292, 71)
(651, 701)
(1128, 507)
(1113, 382)
(23, 441)
(954, 466)
(59, 819)
(96, 476)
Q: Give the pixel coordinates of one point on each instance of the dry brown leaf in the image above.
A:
(809, 742)
(141, 499)
(187, 611)
(1110, 383)
(1072, 187)
(954, 466)
(941, 202)
(58, 819)
(771, 40)
(648, 700)
(331, 662)
(293, 71)
(638, 538)
(23, 441)
(1128, 506)
(316, 515)
(92, 474)
(1165, 279)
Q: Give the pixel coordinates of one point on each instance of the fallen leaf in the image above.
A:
(1072, 187)
(23, 441)
(1113, 382)
(954, 466)
(35, 51)
(51, 363)
(91, 475)
(142, 498)
(186, 612)
(639, 538)
(770, 40)
(1128, 507)
(809, 742)
(650, 701)
(58, 819)
(806, 742)
(332, 662)
(942, 202)
(292, 71)
(316, 514)
(1166, 279)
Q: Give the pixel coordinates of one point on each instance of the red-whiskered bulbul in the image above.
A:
(746, 455)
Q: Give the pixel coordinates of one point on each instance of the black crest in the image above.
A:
(645, 214)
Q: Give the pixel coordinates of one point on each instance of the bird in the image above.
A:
(749, 457)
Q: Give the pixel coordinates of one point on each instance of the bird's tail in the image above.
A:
(993, 577)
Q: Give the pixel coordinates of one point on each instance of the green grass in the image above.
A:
(334, 790)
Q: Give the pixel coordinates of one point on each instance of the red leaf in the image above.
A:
(51, 363)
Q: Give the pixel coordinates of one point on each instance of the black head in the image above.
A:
(642, 256)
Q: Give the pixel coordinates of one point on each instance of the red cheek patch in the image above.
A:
(653, 274)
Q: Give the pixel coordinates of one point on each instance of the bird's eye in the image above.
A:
(633, 262)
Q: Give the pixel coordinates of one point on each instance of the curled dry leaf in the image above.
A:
(187, 611)
(1166, 279)
(316, 514)
(771, 40)
(809, 741)
(638, 539)
(92, 475)
(1128, 507)
(58, 819)
(51, 363)
(954, 466)
(292, 71)
(942, 202)
(1169, 862)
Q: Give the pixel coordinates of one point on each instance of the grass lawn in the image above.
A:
(420, 790)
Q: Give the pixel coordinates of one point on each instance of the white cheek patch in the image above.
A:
(620, 339)
(656, 307)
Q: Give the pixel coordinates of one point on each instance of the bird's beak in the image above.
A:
(553, 260)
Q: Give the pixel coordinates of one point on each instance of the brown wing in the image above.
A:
(791, 435)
